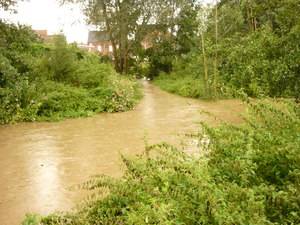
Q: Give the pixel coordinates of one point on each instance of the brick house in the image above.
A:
(98, 41)
(42, 34)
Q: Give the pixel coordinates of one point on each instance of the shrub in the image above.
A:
(187, 79)
(186, 86)
(59, 62)
(52, 81)
(246, 174)
(63, 101)
(123, 95)
(91, 73)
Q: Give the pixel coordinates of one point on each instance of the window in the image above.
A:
(110, 48)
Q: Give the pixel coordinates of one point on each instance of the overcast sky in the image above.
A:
(49, 15)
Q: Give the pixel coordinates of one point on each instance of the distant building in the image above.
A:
(43, 34)
(99, 41)
(83, 46)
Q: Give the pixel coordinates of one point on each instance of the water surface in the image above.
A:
(41, 161)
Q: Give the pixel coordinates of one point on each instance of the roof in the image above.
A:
(44, 32)
(96, 36)
(41, 33)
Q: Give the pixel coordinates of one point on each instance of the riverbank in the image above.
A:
(41, 161)
(50, 81)
(249, 175)
(193, 86)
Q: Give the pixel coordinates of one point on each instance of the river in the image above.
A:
(41, 161)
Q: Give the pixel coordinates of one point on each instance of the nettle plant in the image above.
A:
(249, 174)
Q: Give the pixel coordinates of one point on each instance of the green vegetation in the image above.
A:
(53, 81)
(246, 174)
(132, 24)
(186, 79)
(241, 174)
(7, 4)
(247, 46)
(187, 86)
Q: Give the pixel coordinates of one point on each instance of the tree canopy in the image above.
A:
(130, 22)
(7, 4)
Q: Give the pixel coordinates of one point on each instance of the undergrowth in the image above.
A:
(246, 174)
(55, 80)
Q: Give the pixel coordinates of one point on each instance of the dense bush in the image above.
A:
(187, 86)
(262, 64)
(254, 50)
(246, 174)
(55, 80)
(187, 79)
(59, 61)
(259, 64)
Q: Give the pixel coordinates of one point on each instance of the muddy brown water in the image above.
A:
(39, 162)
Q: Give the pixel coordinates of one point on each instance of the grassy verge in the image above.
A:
(247, 174)
(187, 86)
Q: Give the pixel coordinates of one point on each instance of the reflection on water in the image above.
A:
(40, 161)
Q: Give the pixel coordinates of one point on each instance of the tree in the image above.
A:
(216, 50)
(7, 4)
(187, 28)
(176, 34)
(125, 21)
(258, 49)
(202, 17)
(129, 22)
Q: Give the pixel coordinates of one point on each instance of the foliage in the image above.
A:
(60, 61)
(258, 65)
(31, 219)
(187, 86)
(249, 46)
(7, 4)
(160, 58)
(53, 81)
(258, 52)
(268, 165)
(186, 79)
(246, 174)
(17, 46)
(175, 35)
(125, 23)
(187, 23)
(161, 24)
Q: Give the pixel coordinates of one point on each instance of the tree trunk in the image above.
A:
(204, 65)
(111, 37)
(216, 51)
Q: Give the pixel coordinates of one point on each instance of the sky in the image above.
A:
(50, 15)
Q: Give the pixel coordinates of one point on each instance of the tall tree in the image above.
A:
(7, 4)
(216, 50)
(125, 22)
(202, 19)
(130, 22)
(187, 26)
(177, 30)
